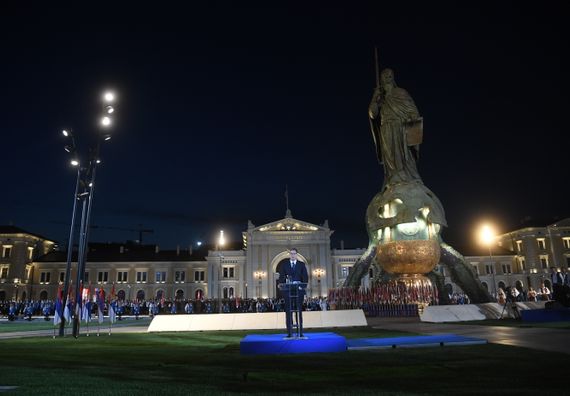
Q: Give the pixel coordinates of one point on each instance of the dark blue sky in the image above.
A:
(221, 107)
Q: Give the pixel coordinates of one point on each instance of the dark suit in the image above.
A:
(296, 274)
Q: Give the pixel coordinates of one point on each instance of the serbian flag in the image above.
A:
(78, 305)
(86, 308)
(58, 308)
(100, 295)
(68, 307)
(112, 306)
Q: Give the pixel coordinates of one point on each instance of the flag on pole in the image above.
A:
(68, 307)
(79, 303)
(112, 306)
(86, 309)
(58, 308)
(100, 293)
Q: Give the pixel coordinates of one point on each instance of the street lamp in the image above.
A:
(86, 172)
(219, 245)
(16, 283)
(319, 272)
(487, 237)
(259, 275)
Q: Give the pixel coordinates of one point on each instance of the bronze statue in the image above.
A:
(405, 214)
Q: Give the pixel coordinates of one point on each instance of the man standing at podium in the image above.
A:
(293, 270)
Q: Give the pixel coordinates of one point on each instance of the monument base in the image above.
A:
(274, 344)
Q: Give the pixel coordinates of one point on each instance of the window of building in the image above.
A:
(198, 276)
(6, 251)
(507, 269)
(86, 278)
(228, 272)
(179, 276)
(45, 277)
(102, 276)
(141, 276)
(541, 243)
(160, 276)
(3, 272)
(122, 276)
(30, 253)
(62, 276)
(225, 292)
(488, 269)
(231, 292)
(522, 263)
(544, 261)
(344, 271)
(566, 242)
(519, 246)
(475, 269)
(567, 262)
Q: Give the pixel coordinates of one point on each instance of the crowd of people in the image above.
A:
(46, 308)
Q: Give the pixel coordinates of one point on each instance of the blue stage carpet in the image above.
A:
(413, 341)
(269, 344)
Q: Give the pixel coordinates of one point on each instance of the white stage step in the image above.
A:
(255, 321)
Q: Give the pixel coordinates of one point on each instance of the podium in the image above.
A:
(293, 294)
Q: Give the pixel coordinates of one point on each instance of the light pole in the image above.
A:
(16, 283)
(487, 237)
(259, 275)
(86, 180)
(319, 272)
(219, 245)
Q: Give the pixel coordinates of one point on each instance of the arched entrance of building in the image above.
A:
(501, 285)
(43, 295)
(275, 268)
(24, 295)
(519, 285)
(180, 294)
(199, 294)
(121, 295)
(140, 295)
(485, 285)
(3, 295)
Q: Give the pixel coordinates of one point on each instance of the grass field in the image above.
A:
(210, 363)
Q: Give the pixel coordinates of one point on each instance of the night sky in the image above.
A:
(220, 108)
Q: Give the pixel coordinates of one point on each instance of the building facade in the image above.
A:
(30, 268)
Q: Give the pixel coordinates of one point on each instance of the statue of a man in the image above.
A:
(396, 127)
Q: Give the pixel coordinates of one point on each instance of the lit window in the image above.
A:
(179, 276)
(122, 276)
(544, 261)
(519, 246)
(541, 243)
(45, 277)
(3, 272)
(566, 242)
(344, 271)
(161, 276)
(141, 276)
(6, 251)
(102, 277)
(522, 263)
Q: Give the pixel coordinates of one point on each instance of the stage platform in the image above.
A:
(277, 344)
(255, 321)
(412, 342)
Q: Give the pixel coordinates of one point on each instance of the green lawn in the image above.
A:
(210, 363)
